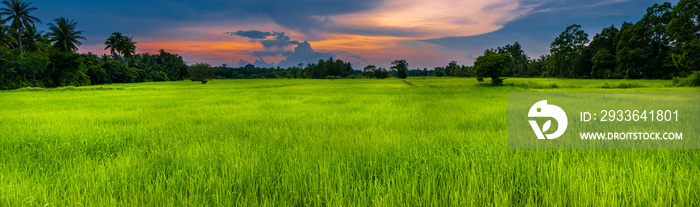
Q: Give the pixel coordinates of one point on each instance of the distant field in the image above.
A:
(292, 142)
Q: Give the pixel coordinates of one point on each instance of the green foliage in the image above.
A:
(201, 72)
(328, 68)
(371, 71)
(439, 73)
(64, 69)
(565, 49)
(691, 80)
(643, 47)
(519, 67)
(684, 31)
(492, 65)
(604, 63)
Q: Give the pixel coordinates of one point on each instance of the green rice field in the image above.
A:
(303, 142)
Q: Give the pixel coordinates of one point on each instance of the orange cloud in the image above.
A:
(432, 19)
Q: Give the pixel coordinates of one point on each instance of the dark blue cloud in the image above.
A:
(275, 44)
(260, 62)
(269, 40)
(304, 54)
(252, 34)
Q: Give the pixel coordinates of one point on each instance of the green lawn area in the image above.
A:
(293, 142)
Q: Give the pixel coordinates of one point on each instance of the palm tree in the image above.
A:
(18, 12)
(64, 35)
(32, 36)
(129, 48)
(5, 37)
(114, 43)
(120, 44)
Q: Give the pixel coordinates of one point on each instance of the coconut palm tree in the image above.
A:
(129, 48)
(5, 37)
(114, 43)
(64, 35)
(120, 44)
(18, 12)
(31, 38)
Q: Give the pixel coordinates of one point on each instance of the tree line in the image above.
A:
(664, 44)
(324, 69)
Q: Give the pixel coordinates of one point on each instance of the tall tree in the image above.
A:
(565, 49)
(65, 35)
(18, 12)
(684, 32)
(129, 48)
(606, 40)
(642, 48)
(401, 67)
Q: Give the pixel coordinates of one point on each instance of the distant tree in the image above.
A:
(129, 48)
(453, 69)
(520, 59)
(117, 43)
(114, 43)
(381, 73)
(64, 35)
(439, 73)
(368, 71)
(492, 65)
(565, 49)
(201, 72)
(18, 12)
(401, 68)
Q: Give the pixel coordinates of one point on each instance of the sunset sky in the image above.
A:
(283, 32)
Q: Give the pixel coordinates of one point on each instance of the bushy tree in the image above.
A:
(401, 68)
(201, 72)
(492, 65)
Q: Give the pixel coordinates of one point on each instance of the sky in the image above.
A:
(286, 33)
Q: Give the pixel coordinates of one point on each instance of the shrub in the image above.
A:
(691, 80)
